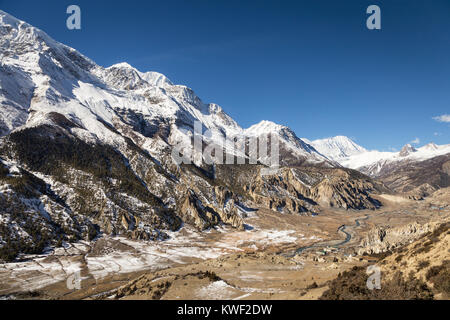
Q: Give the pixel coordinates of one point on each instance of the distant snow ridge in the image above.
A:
(337, 148)
(373, 162)
(350, 155)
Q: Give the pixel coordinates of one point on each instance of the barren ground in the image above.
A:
(258, 263)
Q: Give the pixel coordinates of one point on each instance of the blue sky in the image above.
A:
(310, 65)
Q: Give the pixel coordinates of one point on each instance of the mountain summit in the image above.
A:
(407, 150)
(338, 147)
(294, 150)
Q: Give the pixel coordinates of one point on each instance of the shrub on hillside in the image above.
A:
(351, 285)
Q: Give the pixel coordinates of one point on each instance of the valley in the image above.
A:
(277, 256)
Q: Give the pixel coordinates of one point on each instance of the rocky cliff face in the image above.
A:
(308, 189)
(383, 239)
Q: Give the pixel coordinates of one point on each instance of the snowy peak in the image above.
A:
(375, 162)
(338, 147)
(131, 78)
(39, 76)
(156, 79)
(122, 65)
(9, 23)
(268, 127)
(430, 147)
(61, 80)
(407, 150)
(124, 77)
(264, 127)
(291, 146)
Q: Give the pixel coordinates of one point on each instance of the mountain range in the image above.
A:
(86, 150)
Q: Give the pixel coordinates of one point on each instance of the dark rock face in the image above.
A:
(418, 178)
(407, 150)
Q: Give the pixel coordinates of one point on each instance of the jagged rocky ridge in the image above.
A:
(86, 149)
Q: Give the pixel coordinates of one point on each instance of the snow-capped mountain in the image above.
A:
(415, 172)
(348, 154)
(337, 148)
(407, 150)
(373, 162)
(293, 150)
(40, 76)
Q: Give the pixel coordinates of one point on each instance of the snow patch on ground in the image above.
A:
(273, 236)
(218, 290)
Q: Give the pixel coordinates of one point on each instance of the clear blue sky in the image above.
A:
(311, 65)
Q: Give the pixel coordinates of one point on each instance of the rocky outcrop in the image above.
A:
(385, 238)
(417, 270)
(343, 191)
(421, 192)
(205, 216)
(305, 189)
(407, 150)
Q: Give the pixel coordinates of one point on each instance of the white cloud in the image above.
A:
(415, 141)
(443, 118)
(437, 134)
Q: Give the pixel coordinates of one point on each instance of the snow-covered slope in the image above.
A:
(337, 148)
(350, 155)
(292, 147)
(373, 162)
(39, 76)
(96, 142)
